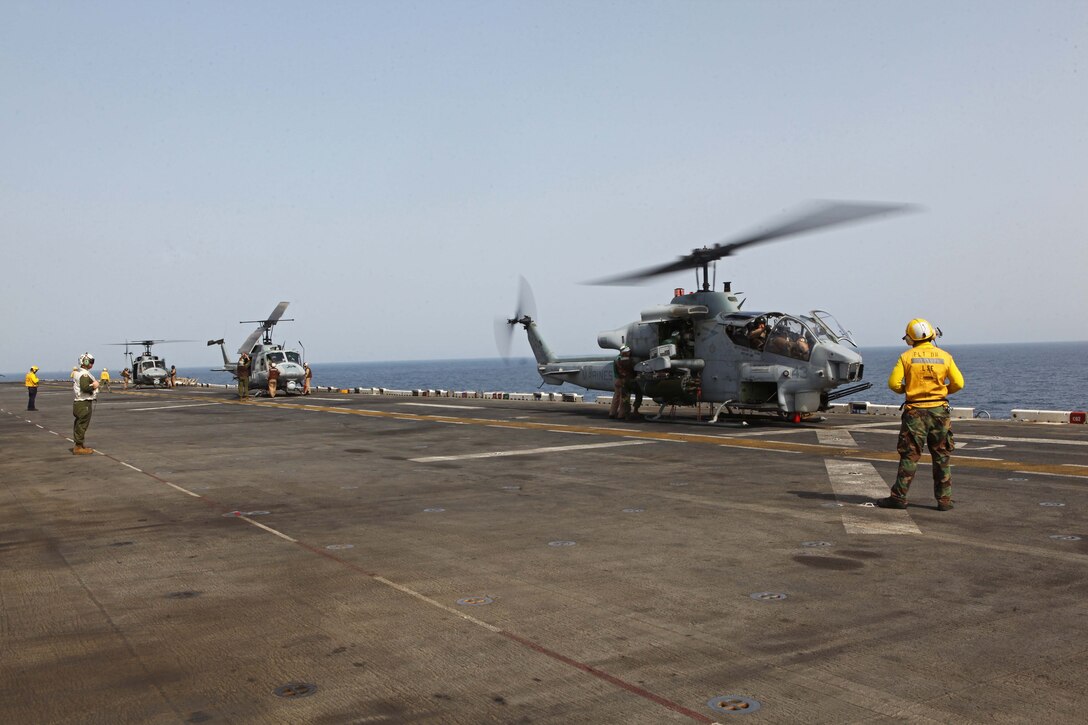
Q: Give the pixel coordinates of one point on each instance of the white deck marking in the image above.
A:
(445, 405)
(168, 407)
(531, 451)
(185, 491)
(269, 529)
(857, 478)
(836, 437)
(134, 468)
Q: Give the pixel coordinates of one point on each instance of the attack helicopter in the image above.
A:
(703, 348)
(148, 370)
(264, 354)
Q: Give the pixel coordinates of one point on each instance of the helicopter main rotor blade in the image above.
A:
(822, 215)
(278, 312)
(248, 344)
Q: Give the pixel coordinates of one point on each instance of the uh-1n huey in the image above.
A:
(703, 348)
(148, 370)
(264, 354)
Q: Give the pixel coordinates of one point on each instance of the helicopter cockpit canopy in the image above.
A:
(828, 328)
(285, 356)
(773, 332)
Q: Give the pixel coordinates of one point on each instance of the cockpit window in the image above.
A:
(750, 329)
(827, 327)
(790, 337)
(275, 357)
(294, 357)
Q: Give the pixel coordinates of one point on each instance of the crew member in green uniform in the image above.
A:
(85, 388)
(927, 375)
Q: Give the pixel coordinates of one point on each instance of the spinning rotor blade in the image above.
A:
(823, 214)
(504, 328)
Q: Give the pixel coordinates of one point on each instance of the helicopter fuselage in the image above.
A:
(288, 362)
(702, 348)
(149, 370)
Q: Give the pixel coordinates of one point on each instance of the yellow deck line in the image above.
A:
(816, 450)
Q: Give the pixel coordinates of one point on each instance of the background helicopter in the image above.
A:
(147, 369)
(702, 348)
(265, 353)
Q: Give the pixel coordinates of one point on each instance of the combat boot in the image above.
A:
(81, 451)
(891, 503)
(945, 505)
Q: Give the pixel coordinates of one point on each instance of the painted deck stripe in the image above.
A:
(168, 407)
(259, 525)
(1004, 439)
(851, 480)
(836, 437)
(529, 451)
(443, 405)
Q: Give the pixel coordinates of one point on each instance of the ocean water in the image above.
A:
(1043, 376)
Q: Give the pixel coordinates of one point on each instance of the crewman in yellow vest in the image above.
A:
(32, 387)
(927, 375)
(104, 380)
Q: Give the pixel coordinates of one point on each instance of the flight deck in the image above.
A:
(377, 559)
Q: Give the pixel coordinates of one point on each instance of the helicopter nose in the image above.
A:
(846, 365)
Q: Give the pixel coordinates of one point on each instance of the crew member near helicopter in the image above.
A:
(623, 383)
(273, 379)
(173, 376)
(32, 387)
(927, 375)
(307, 378)
(242, 371)
(125, 377)
(85, 388)
(104, 380)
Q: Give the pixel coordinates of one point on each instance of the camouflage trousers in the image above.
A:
(931, 427)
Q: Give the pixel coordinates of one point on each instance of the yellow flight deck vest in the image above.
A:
(927, 375)
(105, 376)
(31, 380)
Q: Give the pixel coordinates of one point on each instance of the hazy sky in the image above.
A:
(390, 168)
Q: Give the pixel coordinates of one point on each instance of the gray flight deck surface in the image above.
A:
(442, 560)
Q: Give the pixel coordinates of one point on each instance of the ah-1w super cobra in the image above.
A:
(702, 348)
(264, 354)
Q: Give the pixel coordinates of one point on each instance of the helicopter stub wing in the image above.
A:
(821, 215)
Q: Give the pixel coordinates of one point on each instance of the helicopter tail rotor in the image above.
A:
(524, 313)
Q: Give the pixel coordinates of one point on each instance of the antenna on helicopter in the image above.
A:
(821, 215)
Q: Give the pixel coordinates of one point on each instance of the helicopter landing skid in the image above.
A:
(713, 420)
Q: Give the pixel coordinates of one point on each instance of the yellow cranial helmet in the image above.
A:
(919, 330)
